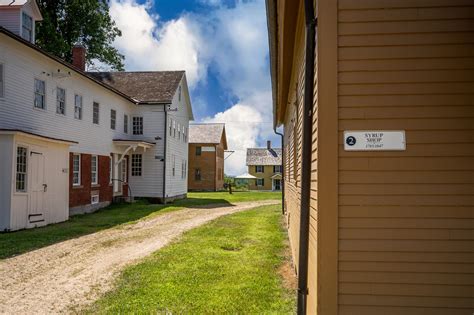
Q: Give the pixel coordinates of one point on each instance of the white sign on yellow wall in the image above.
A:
(374, 140)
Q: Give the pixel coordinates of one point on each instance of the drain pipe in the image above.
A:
(311, 23)
(282, 170)
(165, 139)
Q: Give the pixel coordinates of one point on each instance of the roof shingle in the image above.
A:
(145, 87)
(207, 133)
(264, 156)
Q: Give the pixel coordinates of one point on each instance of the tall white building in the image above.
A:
(72, 141)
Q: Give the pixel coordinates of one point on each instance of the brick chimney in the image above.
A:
(79, 56)
(269, 145)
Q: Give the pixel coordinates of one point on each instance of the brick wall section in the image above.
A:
(207, 163)
(81, 195)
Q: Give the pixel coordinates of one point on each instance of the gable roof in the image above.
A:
(264, 156)
(64, 63)
(207, 133)
(148, 87)
(167, 80)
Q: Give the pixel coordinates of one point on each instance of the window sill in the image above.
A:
(77, 186)
(95, 185)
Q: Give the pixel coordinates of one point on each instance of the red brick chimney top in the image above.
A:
(79, 57)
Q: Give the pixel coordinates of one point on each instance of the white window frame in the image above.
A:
(94, 199)
(23, 172)
(43, 95)
(174, 128)
(61, 110)
(113, 119)
(259, 169)
(78, 171)
(137, 125)
(137, 165)
(95, 114)
(280, 169)
(78, 106)
(179, 131)
(260, 182)
(94, 173)
(2, 80)
(23, 28)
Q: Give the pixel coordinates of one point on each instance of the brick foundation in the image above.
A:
(80, 196)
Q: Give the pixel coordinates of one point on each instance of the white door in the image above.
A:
(276, 184)
(38, 188)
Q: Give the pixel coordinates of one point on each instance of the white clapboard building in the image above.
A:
(73, 141)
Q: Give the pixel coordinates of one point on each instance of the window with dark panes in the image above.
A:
(21, 169)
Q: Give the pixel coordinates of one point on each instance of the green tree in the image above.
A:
(67, 22)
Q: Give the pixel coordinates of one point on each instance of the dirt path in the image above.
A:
(74, 273)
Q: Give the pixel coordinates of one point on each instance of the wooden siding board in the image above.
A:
(406, 218)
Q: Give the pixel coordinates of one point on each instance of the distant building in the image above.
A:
(266, 165)
(207, 143)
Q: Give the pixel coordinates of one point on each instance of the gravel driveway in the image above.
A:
(72, 274)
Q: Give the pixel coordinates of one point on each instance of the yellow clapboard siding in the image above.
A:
(407, 200)
(408, 223)
(396, 310)
(411, 257)
(409, 64)
(405, 100)
(401, 177)
(407, 289)
(406, 300)
(423, 112)
(405, 39)
(406, 164)
(391, 4)
(407, 189)
(405, 234)
(420, 246)
(406, 88)
(446, 268)
(402, 27)
(436, 124)
(376, 211)
(406, 14)
(406, 76)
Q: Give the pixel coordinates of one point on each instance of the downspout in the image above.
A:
(165, 139)
(282, 170)
(311, 23)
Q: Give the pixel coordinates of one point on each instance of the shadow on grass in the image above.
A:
(19, 242)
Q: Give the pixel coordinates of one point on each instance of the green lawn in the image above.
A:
(18, 242)
(229, 266)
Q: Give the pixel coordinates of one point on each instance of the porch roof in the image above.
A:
(36, 135)
(134, 143)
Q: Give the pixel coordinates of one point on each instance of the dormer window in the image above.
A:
(27, 27)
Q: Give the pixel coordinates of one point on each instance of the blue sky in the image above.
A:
(222, 45)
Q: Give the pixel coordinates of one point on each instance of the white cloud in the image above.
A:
(172, 46)
(214, 3)
(243, 125)
(232, 40)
